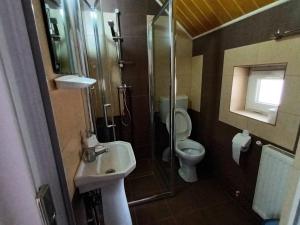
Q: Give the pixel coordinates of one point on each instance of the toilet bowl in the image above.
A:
(189, 152)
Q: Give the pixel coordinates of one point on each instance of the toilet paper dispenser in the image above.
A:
(240, 143)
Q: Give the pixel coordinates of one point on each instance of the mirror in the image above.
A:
(57, 35)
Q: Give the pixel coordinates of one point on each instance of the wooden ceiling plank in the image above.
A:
(187, 21)
(200, 12)
(238, 6)
(187, 27)
(231, 8)
(209, 14)
(225, 10)
(262, 3)
(217, 15)
(190, 32)
(255, 3)
(190, 11)
(247, 6)
(191, 23)
(199, 16)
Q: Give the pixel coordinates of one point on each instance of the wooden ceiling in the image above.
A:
(200, 16)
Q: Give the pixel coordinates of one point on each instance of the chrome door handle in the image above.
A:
(105, 106)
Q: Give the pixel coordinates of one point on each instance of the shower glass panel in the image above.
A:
(162, 91)
(161, 74)
(162, 81)
(97, 64)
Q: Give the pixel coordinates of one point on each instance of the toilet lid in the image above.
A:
(183, 124)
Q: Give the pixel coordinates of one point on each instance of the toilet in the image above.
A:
(189, 152)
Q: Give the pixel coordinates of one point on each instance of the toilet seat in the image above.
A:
(185, 147)
(183, 124)
(189, 149)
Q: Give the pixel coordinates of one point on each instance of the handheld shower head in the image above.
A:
(111, 25)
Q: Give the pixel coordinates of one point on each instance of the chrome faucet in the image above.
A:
(90, 154)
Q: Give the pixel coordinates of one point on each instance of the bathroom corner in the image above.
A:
(68, 107)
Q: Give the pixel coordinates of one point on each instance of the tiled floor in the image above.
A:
(200, 203)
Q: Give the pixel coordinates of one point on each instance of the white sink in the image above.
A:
(119, 158)
(108, 172)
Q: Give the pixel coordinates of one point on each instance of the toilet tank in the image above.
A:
(164, 105)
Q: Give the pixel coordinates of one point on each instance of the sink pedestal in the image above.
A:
(107, 172)
(115, 205)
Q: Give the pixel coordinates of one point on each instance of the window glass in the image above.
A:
(264, 90)
(270, 91)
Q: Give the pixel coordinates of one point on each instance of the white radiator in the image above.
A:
(271, 181)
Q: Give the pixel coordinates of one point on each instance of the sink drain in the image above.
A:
(110, 171)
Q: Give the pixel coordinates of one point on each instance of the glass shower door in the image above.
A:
(101, 95)
(161, 48)
(161, 101)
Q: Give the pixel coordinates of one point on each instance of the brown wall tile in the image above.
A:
(215, 135)
(134, 31)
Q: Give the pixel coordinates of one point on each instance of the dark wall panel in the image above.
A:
(215, 135)
(134, 31)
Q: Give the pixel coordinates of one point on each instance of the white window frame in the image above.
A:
(255, 77)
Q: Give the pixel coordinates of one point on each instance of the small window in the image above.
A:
(269, 91)
(256, 91)
(264, 90)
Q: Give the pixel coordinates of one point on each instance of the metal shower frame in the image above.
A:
(169, 7)
(102, 87)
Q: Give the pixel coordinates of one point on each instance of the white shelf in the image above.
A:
(74, 81)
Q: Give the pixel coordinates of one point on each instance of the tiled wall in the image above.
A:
(188, 68)
(113, 67)
(183, 62)
(162, 56)
(109, 67)
(284, 132)
(238, 89)
(133, 20)
(68, 108)
(215, 135)
(196, 83)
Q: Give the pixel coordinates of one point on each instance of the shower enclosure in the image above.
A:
(100, 37)
(96, 51)
(161, 57)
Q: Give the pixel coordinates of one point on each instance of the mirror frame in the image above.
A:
(47, 28)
